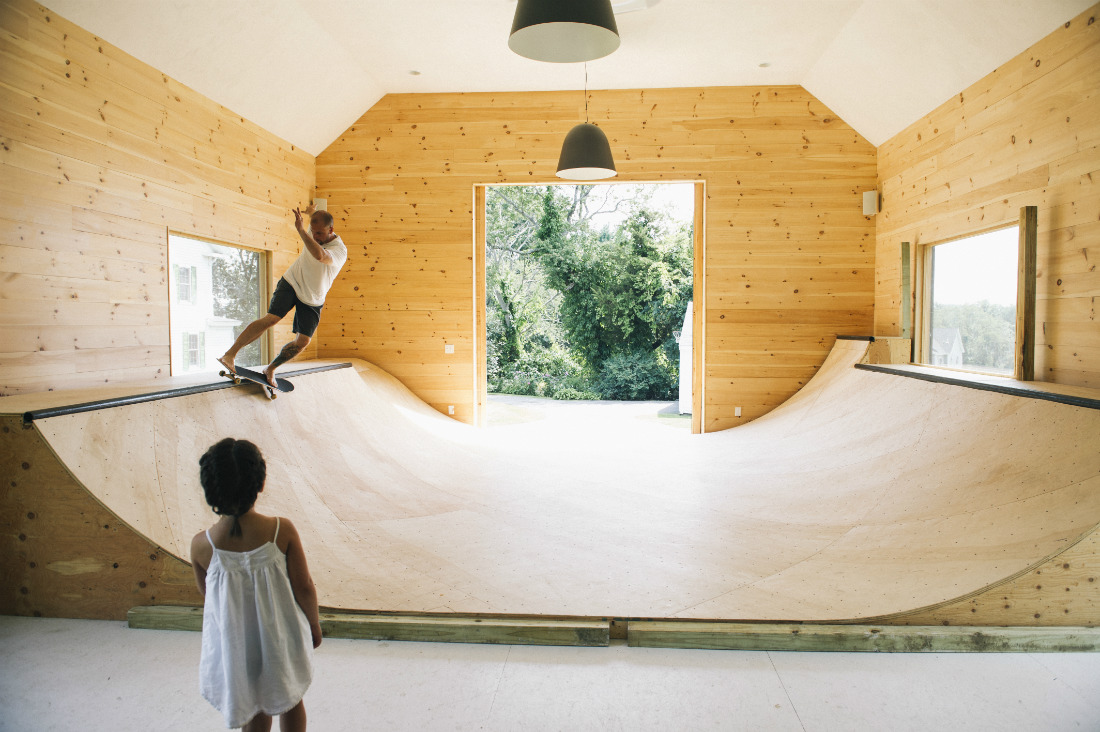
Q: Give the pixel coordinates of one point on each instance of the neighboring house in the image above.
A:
(685, 341)
(198, 336)
(947, 347)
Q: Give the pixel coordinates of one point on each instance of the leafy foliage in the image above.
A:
(547, 373)
(557, 285)
(635, 376)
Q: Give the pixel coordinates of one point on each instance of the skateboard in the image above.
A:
(256, 377)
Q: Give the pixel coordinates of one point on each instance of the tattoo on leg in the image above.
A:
(290, 350)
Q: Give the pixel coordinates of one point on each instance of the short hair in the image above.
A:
(325, 217)
(232, 474)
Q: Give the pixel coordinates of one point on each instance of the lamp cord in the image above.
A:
(586, 92)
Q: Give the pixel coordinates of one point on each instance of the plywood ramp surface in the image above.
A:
(866, 495)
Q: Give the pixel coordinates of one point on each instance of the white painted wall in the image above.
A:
(686, 361)
(195, 315)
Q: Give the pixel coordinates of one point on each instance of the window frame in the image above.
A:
(263, 276)
(1024, 342)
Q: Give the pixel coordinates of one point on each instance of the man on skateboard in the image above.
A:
(302, 287)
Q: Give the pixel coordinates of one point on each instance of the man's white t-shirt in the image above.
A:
(310, 278)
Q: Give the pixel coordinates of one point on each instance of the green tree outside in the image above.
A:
(987, 330)
(236, 286)
(580, 312)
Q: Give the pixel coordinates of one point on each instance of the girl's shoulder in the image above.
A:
(201, 550)
(288, 534)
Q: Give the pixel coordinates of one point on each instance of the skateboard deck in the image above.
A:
(256, 377)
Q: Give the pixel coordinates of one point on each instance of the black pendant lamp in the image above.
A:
(564, 31)
(586, 154)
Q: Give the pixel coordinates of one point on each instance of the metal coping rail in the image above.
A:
(1021, 391)
(222, 383)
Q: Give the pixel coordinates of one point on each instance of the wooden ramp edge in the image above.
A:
(1063, 590)
(530, 631)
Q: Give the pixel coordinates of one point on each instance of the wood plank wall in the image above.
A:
(790, 256)
(100, 155)
(1027, 134)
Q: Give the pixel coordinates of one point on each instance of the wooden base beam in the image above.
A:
(433, 629)
(671, 634)
(873, 638)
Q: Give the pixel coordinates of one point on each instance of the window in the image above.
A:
(193, 351)
(215, 291)
(970, 316)
(186, 283)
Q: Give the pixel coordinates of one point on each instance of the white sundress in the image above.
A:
(257, 651)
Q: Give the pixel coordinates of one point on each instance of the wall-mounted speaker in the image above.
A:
(870, 203)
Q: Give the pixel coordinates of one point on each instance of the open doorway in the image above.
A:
(587, 296)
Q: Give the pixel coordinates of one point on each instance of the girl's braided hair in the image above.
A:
(232, 474)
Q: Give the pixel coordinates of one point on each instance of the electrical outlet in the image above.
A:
(450, 409)
(449, 348)
(737, 411)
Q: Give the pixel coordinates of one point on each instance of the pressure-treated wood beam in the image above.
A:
(847, 638)
(1025, 294)
(433, 629)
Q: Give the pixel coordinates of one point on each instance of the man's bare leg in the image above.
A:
(290, 350)
(252, 331)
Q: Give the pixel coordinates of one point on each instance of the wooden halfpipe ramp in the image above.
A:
(867, 496)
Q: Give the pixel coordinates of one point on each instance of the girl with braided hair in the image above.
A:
(260, 617)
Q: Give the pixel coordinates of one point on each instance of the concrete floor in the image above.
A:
(100, 675)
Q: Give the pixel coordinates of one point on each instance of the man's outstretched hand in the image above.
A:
(300, 216)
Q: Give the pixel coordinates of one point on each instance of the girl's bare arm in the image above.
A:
(201, 554)
(300, 580)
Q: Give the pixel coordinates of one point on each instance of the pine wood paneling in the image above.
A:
(787, 245)
(100, 156)
(1027, 134)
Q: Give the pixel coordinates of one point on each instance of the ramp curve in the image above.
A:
(866, 495)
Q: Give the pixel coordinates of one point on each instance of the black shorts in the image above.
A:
(306, 317)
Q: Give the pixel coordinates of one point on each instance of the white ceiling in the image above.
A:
(306, 70)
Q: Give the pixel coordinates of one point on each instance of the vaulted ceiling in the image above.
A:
(306, 70)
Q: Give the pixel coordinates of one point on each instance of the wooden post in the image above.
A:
(922, 344)
(481, 376)
(1025, 294)
(906, 294)
(698, 327)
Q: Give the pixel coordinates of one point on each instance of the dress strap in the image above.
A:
(275, 538)
(210, 540)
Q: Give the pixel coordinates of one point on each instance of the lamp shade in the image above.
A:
(586, 154)
(564, 31)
